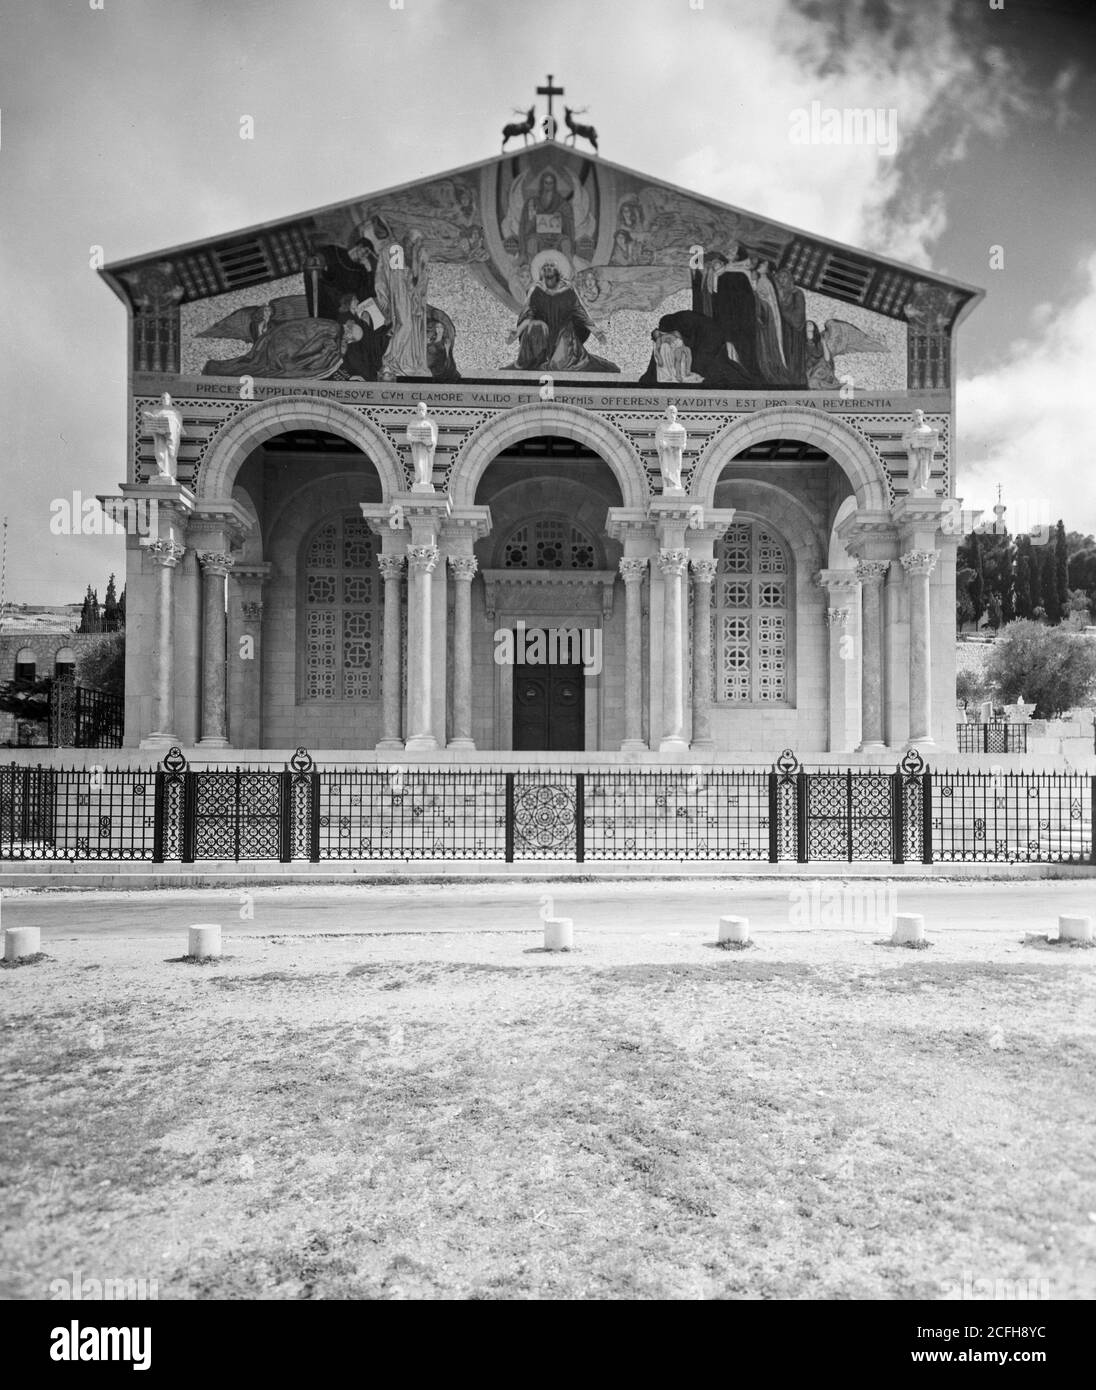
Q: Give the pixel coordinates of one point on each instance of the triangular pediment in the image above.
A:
(436, 205)
(541, 260)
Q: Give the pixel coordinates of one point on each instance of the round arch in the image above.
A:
(848, 450)
(265, 419)
(549, 417)
(298, 502)
(774, 506)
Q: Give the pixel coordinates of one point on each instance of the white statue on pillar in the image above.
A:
(670, 437)
(920, 442)
(166, 424)
(422, 436)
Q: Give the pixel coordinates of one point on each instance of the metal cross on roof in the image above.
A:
(549, 92)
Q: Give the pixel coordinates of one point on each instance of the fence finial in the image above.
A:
(301, 761)
(174, 760)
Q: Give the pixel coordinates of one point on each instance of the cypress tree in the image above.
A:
(1061, 566)
(1048, 578)
(1035, 578)
(110, 607)
(1023, 604)
(977, 586)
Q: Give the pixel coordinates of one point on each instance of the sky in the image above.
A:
(120, 129)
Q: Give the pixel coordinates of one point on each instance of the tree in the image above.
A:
(110, 607)
(1082, 569)
(964, 608)
(26, 699)
(971, 687)
(1035, 580)
(998, 564)
(1048, 581)
(102, 664)
(90, 620)
(1061, 566)
(1078, 608)
(1022, 582)
(1053, 668)
(969, 581)
(977, 586)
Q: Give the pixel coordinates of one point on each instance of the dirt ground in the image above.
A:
(441, 1109)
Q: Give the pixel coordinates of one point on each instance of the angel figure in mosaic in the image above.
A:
(836, 338)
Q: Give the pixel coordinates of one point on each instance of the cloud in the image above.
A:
(857, 55)
(1025, 423)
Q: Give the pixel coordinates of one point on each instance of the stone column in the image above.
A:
(919, 565)
(632, 570)
(842, 592)
(703, 577)
(871, 574)
(167, 555)
(215, 566)
(673, 564)
(245, 675)
(421, 560)
(391, 568)
(837, 620)
(463, 567)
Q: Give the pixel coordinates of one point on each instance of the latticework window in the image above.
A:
(341, 617)
(553, 543)
(750, 600)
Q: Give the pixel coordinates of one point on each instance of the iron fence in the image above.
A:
(786, 814)
(82, 717)
(993, 737)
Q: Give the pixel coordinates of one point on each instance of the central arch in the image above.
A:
(849, 451)
(260, 422)
(549, 418)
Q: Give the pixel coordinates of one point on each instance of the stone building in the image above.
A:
(542, 561)
(28, 655)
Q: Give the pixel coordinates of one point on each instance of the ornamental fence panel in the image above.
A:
(786, 814)
(993, 737)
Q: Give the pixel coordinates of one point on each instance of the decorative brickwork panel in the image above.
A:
(341, 620)
(752, 629)
(552, 543)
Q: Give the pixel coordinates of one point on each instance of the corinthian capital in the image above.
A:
(167, 553)
(215, 561)
(872, 571)
(919, 561)
(633, 568)
(672, 562)
(463, 566)
(422, 558)
(390, 566)
(704, 570)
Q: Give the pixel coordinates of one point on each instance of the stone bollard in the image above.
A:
(736, 929)
(1075, 929)
(559, 934)
(203, 942)
(22, 941)
(909, 928)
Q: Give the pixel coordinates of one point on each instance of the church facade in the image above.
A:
(404, 476)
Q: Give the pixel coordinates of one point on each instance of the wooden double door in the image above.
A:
(549, 708)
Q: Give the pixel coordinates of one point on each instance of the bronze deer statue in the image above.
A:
(585, 132)
(521, 128)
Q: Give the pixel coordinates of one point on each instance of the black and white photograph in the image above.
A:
(548, 668)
